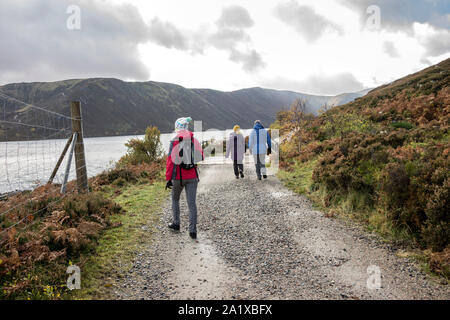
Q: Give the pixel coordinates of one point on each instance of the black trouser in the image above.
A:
(260, 164)
(238, 167)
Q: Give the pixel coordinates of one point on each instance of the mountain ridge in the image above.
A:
(115, 107)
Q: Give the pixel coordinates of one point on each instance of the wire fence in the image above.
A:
(32, 139)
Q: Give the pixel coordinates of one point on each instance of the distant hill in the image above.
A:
(346, 98)
(115, 107)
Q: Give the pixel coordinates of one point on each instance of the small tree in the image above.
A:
(147, 150)
(324, 109)
(297, 112)
(298, 116)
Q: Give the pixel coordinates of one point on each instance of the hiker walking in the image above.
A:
(259, 144)
(181, 172)
(236, 147)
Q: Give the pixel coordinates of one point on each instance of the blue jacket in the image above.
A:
(258, 139)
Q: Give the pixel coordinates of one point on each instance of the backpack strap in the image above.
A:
(174, 170)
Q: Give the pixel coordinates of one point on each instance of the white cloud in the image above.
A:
(436, 41)
(321, 84)
(167, 35)
(235, 17)
(390, 49)
(401, 14)
(318, 46)
(37, 45)
(305, 20)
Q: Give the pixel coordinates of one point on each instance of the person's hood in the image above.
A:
(182, 123)
(258, 126)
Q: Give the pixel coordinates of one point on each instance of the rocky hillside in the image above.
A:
(115, 107)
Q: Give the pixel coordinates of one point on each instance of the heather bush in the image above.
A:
(437, 227)
(384, 157)
(392, 159)
(402, 124)
(394, 191)
(124, 174)
(340, 124)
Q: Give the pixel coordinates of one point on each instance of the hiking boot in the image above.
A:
(175, 227)
(193, 235)
(265, 176)
(259, 178)
(242, 175)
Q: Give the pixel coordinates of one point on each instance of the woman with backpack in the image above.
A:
(236, 147)
(181, 173)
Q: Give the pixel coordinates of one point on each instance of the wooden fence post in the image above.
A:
(80, 160)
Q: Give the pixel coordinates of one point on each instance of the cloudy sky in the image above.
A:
(320, 47)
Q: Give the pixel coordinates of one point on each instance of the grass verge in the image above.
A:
(299, 179)
(117, 247)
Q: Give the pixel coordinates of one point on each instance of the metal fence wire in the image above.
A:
(32, 139)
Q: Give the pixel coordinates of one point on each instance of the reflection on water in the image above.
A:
(26, 164)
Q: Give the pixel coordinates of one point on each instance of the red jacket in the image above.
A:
(172, 170)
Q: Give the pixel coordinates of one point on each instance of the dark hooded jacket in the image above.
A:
(259, 140)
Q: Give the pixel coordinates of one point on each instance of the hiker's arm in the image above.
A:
(243, 145)
(269, 144)
(198, 151)
(250, 141)
(228, 149)
(269, 141)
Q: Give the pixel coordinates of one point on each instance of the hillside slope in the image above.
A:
(383, 159)
(115, 107)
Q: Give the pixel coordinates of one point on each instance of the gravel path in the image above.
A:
(257, 240)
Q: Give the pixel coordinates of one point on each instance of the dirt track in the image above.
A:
(257, 240)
